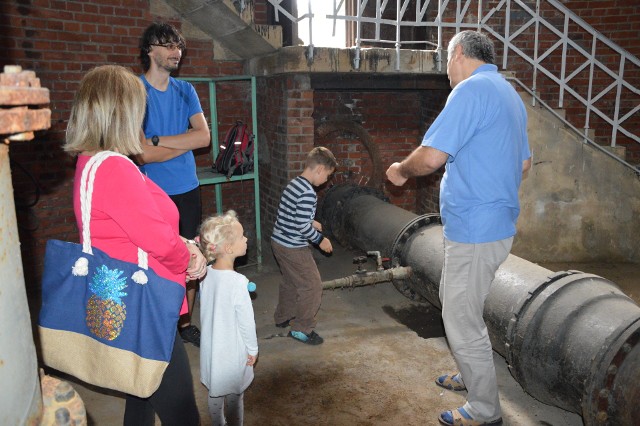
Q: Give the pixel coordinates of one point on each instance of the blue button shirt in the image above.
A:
(483, 128)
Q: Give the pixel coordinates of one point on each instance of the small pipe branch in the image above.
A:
(369, 278)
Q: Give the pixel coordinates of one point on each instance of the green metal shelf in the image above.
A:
(206, 175)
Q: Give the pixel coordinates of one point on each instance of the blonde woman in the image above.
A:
(130, 211)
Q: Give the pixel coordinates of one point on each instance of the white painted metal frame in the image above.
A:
(469, 15)
(591, 60)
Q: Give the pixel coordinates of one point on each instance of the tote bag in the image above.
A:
(105, 321)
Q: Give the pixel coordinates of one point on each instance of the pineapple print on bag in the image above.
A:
(106, 311)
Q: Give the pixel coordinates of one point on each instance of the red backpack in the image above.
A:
(235, 156)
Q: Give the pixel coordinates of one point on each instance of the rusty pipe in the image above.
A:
(570, 339)
(368, 278)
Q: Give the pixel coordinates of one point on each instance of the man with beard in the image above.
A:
(174, 125)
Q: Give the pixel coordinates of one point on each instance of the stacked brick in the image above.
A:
(21, 101)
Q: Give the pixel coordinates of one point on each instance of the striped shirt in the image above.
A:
(296, 212)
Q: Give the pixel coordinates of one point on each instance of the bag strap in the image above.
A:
(86, 196)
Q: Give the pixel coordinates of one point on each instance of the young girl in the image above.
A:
(229, 347)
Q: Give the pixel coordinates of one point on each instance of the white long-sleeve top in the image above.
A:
(228, 332)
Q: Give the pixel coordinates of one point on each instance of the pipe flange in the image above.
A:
(409, 229)
(598, 393)
(407, 232)
(519, 309)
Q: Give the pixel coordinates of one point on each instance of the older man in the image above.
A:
(481, 137)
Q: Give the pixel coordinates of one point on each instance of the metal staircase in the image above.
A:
(556, 54)
(559, 59)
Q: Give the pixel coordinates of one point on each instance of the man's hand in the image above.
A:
(394, 175)
(317, 225)
(423, 161)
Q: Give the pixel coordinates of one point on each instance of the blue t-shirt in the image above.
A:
(168, 114)
(483, 128)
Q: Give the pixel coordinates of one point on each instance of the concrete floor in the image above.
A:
(376, 367)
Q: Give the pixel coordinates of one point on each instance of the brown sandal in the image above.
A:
(456, 418)
(451, 381)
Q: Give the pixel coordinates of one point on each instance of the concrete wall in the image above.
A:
(578, 204)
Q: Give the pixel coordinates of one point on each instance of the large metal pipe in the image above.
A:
(570, 339)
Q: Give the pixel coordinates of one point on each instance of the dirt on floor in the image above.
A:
(377, 365)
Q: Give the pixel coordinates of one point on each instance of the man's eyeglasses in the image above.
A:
(170, 46)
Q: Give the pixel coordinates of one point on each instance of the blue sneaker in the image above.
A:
(310, 339)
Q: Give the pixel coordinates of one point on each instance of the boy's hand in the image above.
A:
(317, 225)
(325, 245)
(251, 359)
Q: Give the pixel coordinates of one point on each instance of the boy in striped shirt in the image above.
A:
(300, 291)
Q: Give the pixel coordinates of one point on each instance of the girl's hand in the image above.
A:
(251, 360)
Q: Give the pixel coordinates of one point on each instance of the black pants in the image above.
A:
(174, 401)
(190, 209)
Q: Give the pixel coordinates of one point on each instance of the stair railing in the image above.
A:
(512, 36)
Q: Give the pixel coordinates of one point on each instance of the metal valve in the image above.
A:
(360, 260)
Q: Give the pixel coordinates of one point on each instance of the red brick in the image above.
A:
(21, 119)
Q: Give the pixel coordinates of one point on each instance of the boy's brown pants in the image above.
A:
(300, 292)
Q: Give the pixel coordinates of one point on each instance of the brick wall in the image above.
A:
(618, 20)
(260, 12)
(61, 40)
(428, 196)
(233, 103)
(286, 128)
(394, 121)
(391, 120)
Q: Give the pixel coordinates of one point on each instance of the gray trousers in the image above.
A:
(235, 409)
(467, 274)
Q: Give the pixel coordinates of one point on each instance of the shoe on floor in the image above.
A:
(459, 417)
(190, 334)
(451, 381)
(310, 339)
(284, 324)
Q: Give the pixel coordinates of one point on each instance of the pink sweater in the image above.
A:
(130, 211)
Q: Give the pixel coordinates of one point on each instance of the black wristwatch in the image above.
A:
(155, 140)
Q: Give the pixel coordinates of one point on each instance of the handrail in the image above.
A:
(470, 14)
(571, 127)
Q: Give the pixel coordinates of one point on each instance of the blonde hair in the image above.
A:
(107, 112)
(215, 231)
(321, 156)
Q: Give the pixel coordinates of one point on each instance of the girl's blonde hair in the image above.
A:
(215, 231)
(107, 112)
